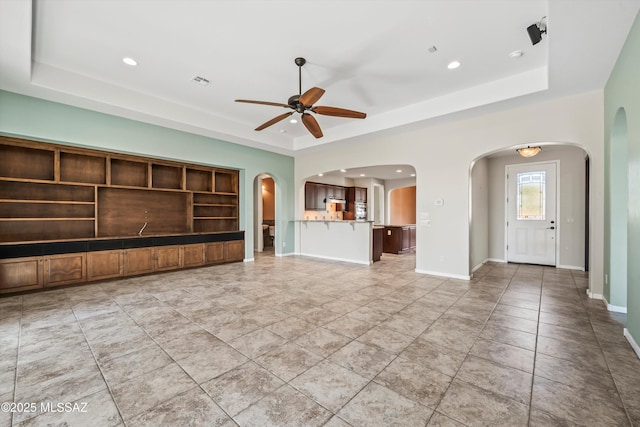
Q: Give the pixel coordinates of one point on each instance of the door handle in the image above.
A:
(551, 228)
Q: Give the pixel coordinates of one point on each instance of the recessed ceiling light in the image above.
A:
(413, 174)
(343, 170)
(130, 61)
(293, 120)
(453, 65)
(516, 54)
(320, 174)
(398, 170)
(361, 174)
(283, 131)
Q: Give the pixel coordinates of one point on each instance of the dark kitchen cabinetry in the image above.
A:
(314, 196)
(399, 239)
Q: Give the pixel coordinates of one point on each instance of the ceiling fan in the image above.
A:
(302, 103)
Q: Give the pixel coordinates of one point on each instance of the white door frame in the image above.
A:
(506, 205)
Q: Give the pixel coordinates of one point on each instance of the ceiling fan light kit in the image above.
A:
(302, 103)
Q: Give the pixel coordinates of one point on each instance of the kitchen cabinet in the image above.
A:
(314, 196)
(360, 195)
(399, 239)
(377, 243)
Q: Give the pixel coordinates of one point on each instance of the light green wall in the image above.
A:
(36, 119)
(623, 91)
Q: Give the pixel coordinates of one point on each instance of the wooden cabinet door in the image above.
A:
(361, 195)
(21, 274)
(214, 252)
(104, 265)
(193, 255)
(321, 195)
(234, 250)
(310, 199)
(138, 261)
(65, 269)
(167, 258)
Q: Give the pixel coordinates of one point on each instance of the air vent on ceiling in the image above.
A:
(200, 80)
(432, 49)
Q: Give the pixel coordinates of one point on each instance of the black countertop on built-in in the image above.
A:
(28, 249)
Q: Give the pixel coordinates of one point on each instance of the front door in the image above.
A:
(531, 213)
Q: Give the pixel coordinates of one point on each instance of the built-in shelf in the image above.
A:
(55, 192)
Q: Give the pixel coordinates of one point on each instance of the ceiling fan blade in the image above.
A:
(312, 125)
(274, 120)
(275, 104)
(311, 96)
(338, 112)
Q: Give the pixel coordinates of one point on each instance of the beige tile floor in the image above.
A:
(302, 342)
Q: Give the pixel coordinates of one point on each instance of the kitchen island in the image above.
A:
(348, 241)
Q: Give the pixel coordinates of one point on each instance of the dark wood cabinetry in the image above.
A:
(377, 243)
(314, 196)
(63, 198)
(399, 239)
(54, 192)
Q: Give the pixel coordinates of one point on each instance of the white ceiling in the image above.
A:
(370, 56)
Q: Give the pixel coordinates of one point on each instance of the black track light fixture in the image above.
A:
(537, 30)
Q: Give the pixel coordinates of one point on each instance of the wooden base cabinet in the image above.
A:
(399, 239)
(193, 255)
(167, 258)
(29, 273)
(234, 250)
(65, 269)
(105, 265)
(20, 274)
(138, 261)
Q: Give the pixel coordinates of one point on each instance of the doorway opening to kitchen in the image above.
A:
(264, 215)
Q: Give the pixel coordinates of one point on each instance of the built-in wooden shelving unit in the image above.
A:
(55, 192)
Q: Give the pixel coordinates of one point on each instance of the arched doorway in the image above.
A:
(488, 215)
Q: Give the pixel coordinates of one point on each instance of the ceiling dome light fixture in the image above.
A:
(130, 61)
(453, 65)
(529, 151)
(293, 120)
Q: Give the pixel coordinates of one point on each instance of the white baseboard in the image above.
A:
(440, 274)
(287, 254)
(502, 261)
(337, 259)
(614, 308)
(571, 267)
(633, 342)
(474, 269)
(594, 295)
(249, 260)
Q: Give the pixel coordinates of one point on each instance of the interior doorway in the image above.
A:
(531, 226)
(264, 214)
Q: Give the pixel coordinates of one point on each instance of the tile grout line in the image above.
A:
(15, 380)
(472, 345)
(535, 350)
(604, 356)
